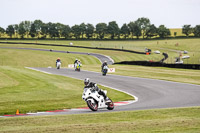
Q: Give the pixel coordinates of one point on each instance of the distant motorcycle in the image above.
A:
(58, 65)
(105, 70)
(78, 67)
(96, 101)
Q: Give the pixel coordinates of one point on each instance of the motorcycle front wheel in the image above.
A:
(92, 106)
(103, 73)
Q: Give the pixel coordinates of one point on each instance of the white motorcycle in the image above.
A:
(105, 70)
(58, 65)
(96, 101)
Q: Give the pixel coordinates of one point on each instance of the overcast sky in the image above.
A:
(171, 13)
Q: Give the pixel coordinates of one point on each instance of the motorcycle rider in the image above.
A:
(58, 60)
(75, 63)
(104, 64)
(93, 85)
(79, 61)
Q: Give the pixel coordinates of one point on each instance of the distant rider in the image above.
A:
(93, 85)
(58, 60)
(104, 64)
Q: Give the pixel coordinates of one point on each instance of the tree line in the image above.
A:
(142, 27)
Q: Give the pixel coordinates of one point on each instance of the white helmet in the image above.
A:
(87, 81)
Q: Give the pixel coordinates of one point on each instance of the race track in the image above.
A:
(151, 93)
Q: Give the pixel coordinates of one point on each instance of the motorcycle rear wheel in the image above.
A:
(110, 105)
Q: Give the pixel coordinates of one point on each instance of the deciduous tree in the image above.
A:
(76, 31)
(197, 31)
(16, 27)
(135, 29)
(32, 32)
(151, 31)
(144, 24)
(65, 31)
(52, 30)
(21, 30)
(163, 31)
(82, 28)
(38, 26)
(89, 30)
(113, 29)
(101, 29)
(27, 27)
(187, 30)
(125, 30)
(44, 30)
(2, 31)
(10, 30)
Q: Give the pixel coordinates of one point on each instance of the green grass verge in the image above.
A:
(180, 120)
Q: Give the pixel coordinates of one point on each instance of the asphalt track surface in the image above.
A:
(151, 93)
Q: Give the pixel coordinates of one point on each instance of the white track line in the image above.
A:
(38, 70)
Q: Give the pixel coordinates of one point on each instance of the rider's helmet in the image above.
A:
(87, 81)
(58, 59)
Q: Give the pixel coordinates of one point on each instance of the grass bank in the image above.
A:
(172, 47)
(178, 120)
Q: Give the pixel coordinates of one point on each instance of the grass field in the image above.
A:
(26, 89)
(169, 46)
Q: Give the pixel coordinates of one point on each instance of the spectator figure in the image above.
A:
(165, 57)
